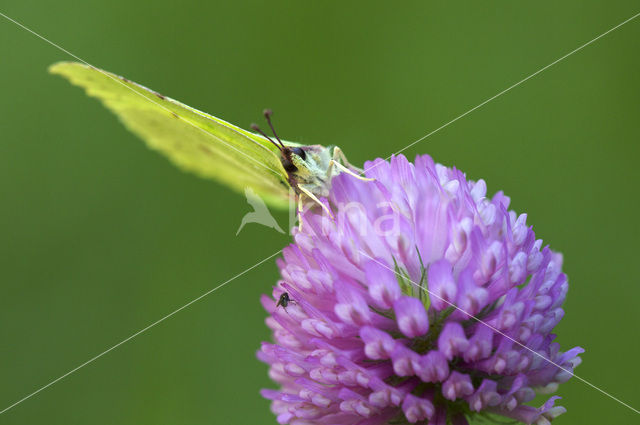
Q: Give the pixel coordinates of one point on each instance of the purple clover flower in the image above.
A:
(372, 337)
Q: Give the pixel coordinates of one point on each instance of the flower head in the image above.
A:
(421, 301)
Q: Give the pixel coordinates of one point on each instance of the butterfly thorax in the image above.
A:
(309, 166)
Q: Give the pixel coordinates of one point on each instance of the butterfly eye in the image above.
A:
(300, 152)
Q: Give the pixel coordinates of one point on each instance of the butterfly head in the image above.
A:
(309, 168)
(293, 159)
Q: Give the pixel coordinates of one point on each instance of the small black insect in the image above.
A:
(284, 300)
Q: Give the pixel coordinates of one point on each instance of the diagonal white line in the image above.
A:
(144, 97)
(508, 89)
(503, 334)
(137, 333)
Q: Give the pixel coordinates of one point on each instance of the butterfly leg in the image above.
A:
(315, 199)
(300, 211)
(339, 155)
(338, 159)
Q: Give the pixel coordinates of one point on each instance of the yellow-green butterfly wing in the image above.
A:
(193, 140)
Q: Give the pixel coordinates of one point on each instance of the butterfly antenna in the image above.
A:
(267, 114)
(256, 128)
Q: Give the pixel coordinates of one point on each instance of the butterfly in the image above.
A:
(276, 170)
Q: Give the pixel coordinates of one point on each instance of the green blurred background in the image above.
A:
(101, 237)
